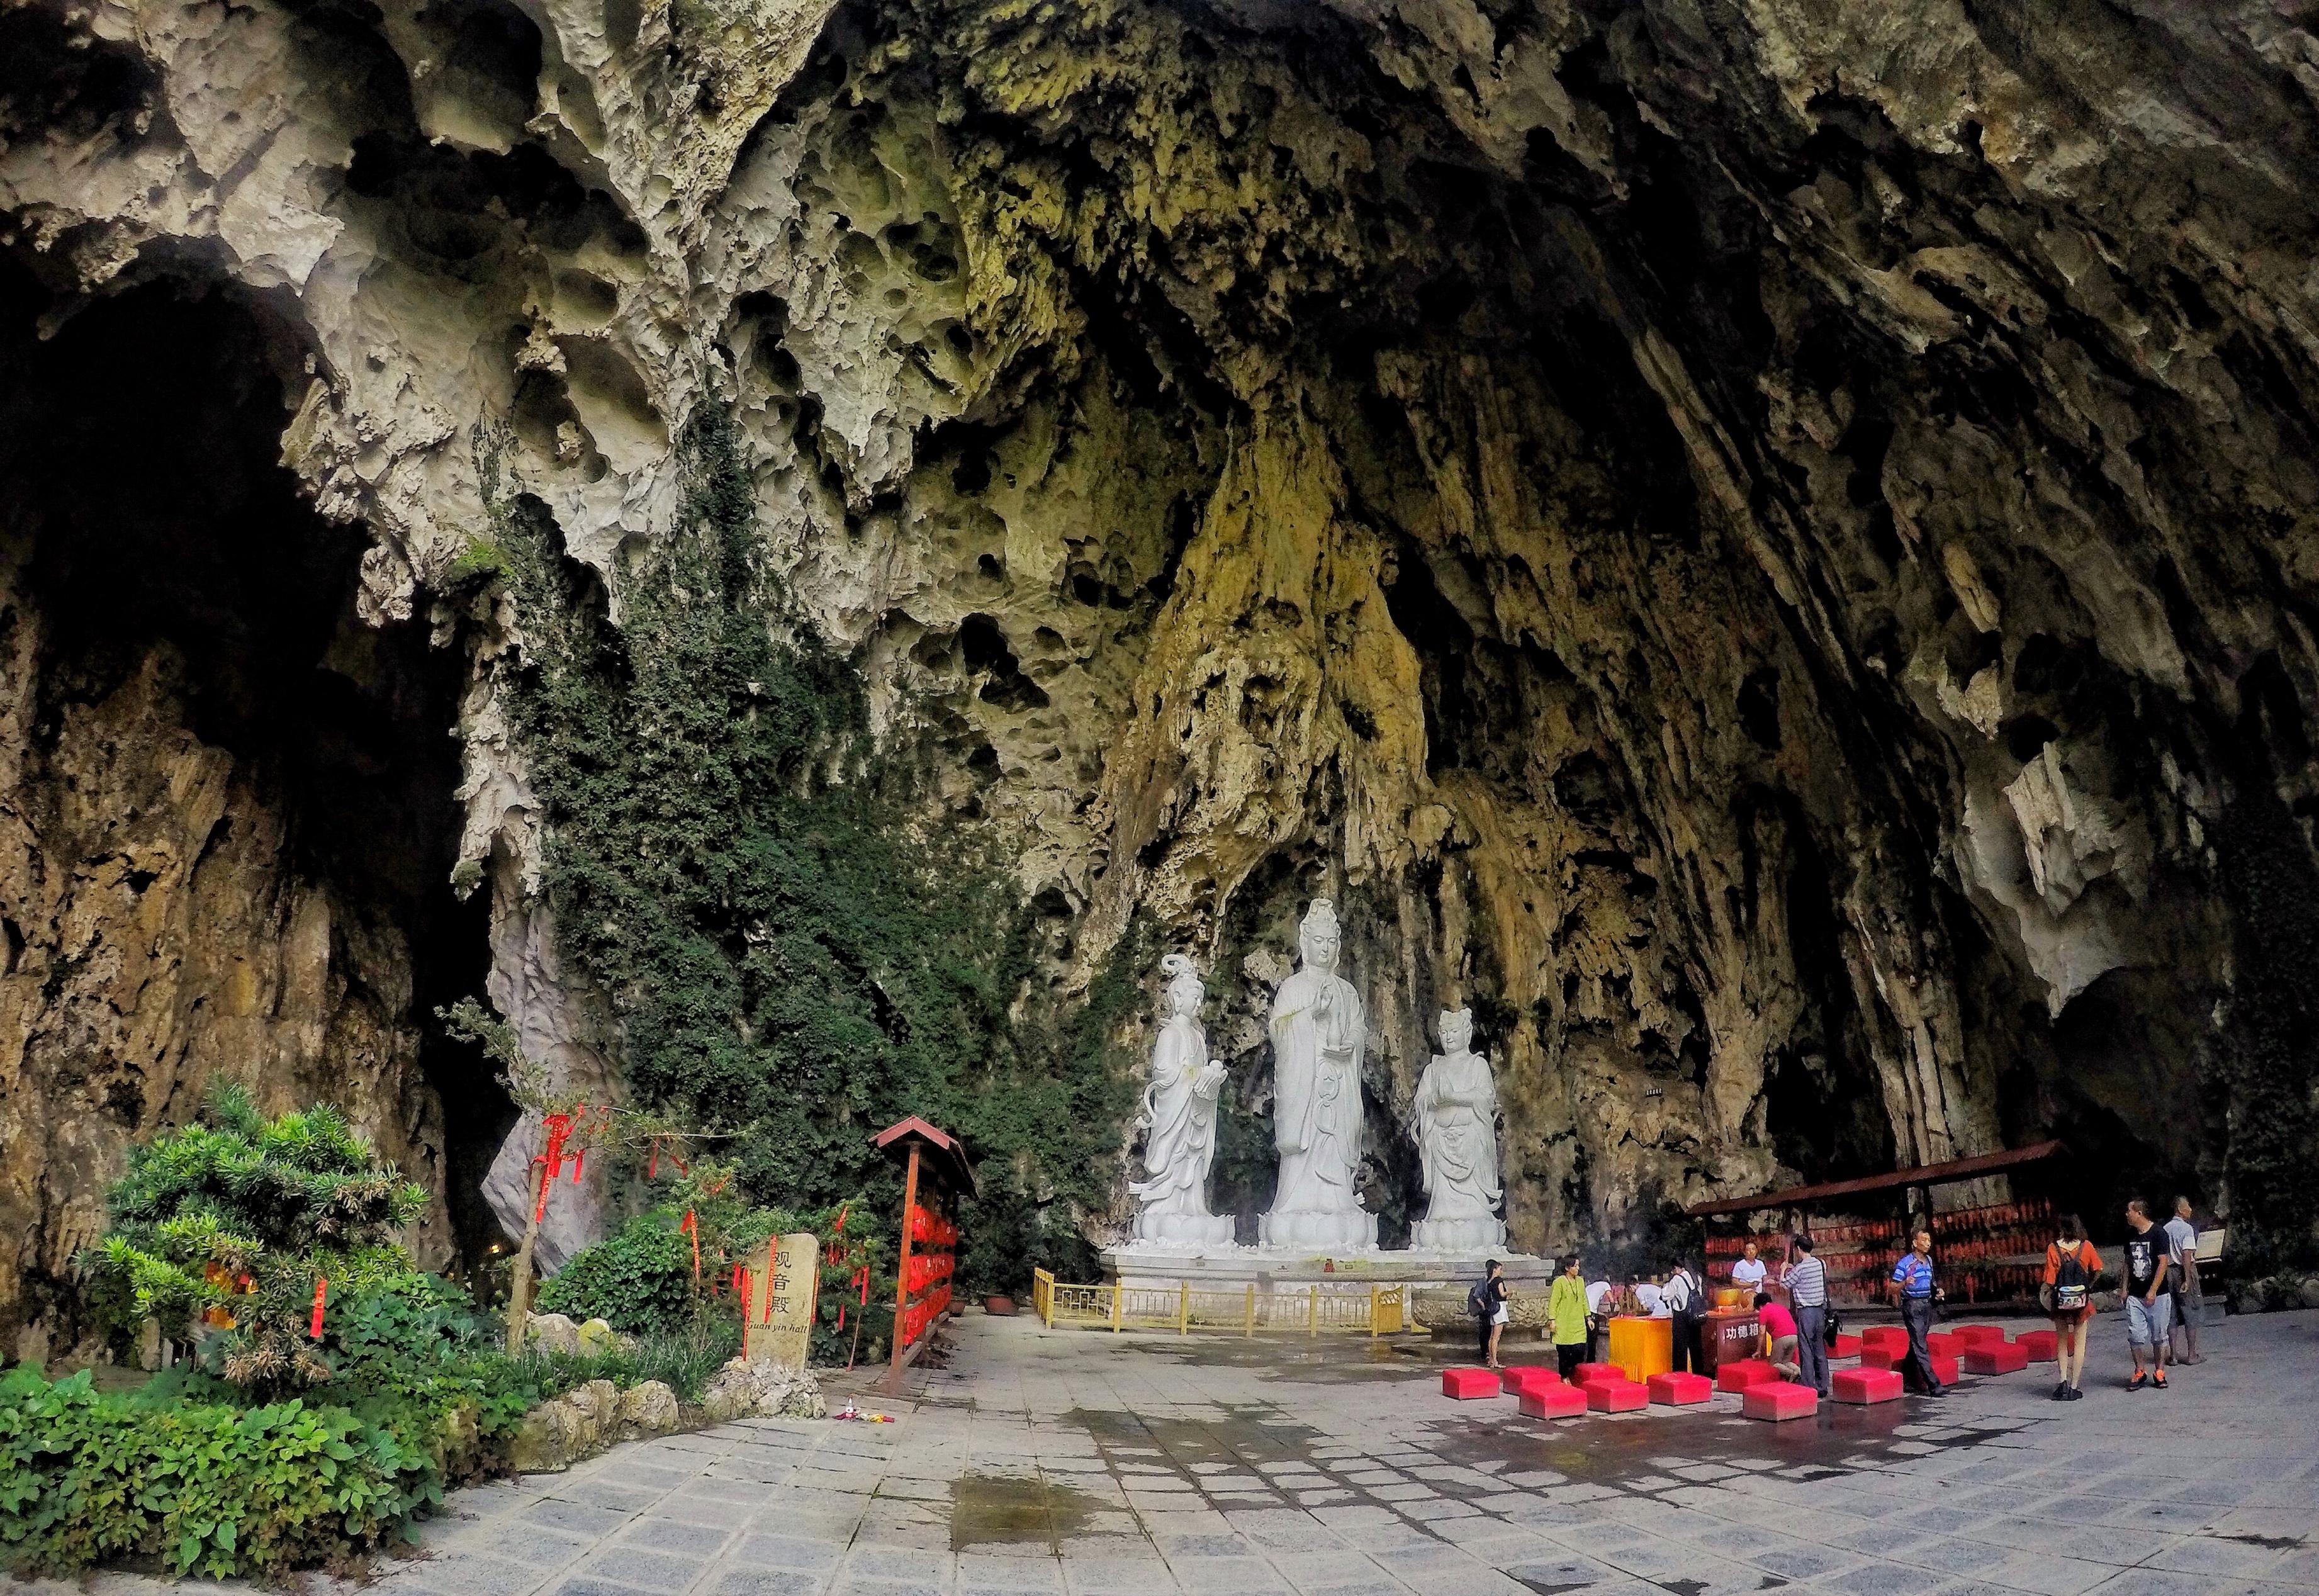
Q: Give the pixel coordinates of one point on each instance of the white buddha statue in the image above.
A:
(1457, 1111)
(1179, 1121)
(1318, 1034)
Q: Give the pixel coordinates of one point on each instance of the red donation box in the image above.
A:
(937, 1174)
(1728, 1335)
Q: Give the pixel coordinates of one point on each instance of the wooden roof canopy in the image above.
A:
(938, 1151)
(1955, 1169)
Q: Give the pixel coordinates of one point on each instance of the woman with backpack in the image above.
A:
(1487, 1302)
(2071, 1265)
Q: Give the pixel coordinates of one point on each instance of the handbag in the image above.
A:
(1835, 1323)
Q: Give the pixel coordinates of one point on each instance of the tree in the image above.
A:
(235, 1218)
(569, 1129)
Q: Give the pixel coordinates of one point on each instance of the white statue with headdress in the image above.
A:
(1179, 1121)
(1318, 1034)
(1457, 1111)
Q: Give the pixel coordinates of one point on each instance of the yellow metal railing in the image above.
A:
(1383, 1310)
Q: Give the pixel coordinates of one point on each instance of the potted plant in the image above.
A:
(999, 1305)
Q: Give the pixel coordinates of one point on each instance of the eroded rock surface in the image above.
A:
(1765, 547)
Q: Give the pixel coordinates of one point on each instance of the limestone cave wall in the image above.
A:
(1768, 548)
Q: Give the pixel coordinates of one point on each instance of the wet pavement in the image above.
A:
(1073, 1461)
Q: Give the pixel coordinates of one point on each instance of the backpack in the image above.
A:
(2067, 1293)
(1688, 1306)
(1480, 1302)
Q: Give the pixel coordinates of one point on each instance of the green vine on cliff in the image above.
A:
(793, 954)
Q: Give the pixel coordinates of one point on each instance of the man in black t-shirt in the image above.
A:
(2148, 1307)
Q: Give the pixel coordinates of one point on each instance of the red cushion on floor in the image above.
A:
(1740, 1375)
(1779, 1399)
(1590, 1371)
(1515, 1376)
(1974, 1334)
(2042, 1346)
(1996, 1357)
(1891, 1338)
(1941, 1344)
(1552, 1401)
(1846, 1346)
(1621, 1396)
(1676, 1389)
(1465, 1384)
(1866, 1385)
(1944, 1369)
(1882, 1358)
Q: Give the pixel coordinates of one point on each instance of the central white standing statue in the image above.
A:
(1318, 1032)
(1179, 1121)
(1458, 1145)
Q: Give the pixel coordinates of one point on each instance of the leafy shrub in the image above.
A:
(208, 1488)
(236, 1217)
(684, 1360)
(640, 1280)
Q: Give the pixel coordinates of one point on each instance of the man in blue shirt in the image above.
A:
(1913, 1275)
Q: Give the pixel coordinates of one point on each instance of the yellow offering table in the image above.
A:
(1642, 1347)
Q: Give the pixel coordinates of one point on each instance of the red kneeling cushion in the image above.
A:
(1996, 1357)
(1556, 1400)
(1621, 1396)
(1974, 1334)
(1465, 1384)
(1846, 1346)
(1676, 1389)
(1891, 1338)
(1866, 1385)
(1515, 1376)
(2042, 1346)
(1588, 1373)
(1779, 1399)
(1883, 1357)
(1941, 1344)
(1944, 1369)
(1740, 1375)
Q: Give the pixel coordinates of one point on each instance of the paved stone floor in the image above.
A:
(1069, 1461)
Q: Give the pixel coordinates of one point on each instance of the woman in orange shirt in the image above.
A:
(2071, 1265)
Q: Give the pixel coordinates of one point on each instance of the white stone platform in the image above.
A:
(1237, 1267)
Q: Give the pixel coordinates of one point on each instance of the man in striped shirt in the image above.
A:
(1805, 1278)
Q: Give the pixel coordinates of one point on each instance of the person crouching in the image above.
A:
(1780, 1325)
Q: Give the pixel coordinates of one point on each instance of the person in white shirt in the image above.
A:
(2182, 1253)
(1597, 1315)
(1647, 1296)
(1684, 1302)
(1749, 1271)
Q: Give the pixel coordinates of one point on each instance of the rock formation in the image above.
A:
(1770, 547)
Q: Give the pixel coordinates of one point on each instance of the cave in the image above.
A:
(231, 801)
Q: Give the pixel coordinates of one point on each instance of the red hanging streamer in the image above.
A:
(321, 1291)
(558, 1128)
(691, 1227)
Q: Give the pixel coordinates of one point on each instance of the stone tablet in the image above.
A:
(782, 1304)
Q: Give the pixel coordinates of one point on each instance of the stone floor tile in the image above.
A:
(588, 1584)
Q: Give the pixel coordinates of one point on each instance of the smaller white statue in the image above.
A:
(1179, 1118)
(1457, 1111)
